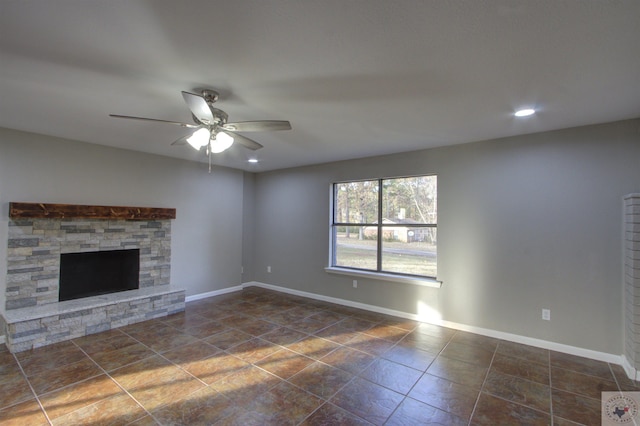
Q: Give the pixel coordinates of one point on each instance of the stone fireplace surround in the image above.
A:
(34, 317)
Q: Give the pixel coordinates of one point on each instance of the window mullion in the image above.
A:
(379, 247)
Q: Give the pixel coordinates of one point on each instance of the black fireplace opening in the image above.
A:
(98, 272)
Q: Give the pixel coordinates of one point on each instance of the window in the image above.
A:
(386, 226)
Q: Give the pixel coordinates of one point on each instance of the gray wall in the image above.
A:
(525, 223)
(206, 235)
(248, 227)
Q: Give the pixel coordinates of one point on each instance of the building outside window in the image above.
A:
(386, 225)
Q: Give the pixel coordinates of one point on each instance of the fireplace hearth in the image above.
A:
(111, 293)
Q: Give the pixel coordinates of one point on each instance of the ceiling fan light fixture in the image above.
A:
(211, 128)
(199, 138)
(221, 142)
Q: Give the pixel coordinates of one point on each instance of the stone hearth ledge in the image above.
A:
(36, 326)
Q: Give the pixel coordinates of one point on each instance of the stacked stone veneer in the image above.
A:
(632, 280)
(34, 316)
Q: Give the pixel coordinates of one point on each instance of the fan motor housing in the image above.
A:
(210, 96)
(219, 116)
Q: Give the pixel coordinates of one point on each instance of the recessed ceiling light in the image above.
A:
(525, 112)
(252, 160)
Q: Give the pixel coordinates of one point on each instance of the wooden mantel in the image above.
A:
(70, 211)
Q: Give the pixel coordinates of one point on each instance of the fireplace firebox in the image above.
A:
(99, 272)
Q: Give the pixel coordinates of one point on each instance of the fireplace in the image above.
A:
(94, 273)
(43, 238)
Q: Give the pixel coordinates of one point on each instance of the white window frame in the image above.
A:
(378, 274)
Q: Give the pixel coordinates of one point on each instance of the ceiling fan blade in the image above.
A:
(181, 141)
(199, 107)
(190, 126)
(257, 126)
(243, 140)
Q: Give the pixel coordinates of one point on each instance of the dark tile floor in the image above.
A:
(259, 357)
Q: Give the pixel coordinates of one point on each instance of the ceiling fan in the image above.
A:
(212, 130)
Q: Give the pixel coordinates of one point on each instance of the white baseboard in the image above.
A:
(545, 344)
(629, 369)
(213, 293)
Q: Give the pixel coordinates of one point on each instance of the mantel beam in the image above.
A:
(70, 211)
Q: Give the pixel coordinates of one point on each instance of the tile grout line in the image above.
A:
(116, 382)
(313, 335)
(550, 389)
(172, 363)
(571, 392)
(484, 381)
(615, 378)
(156, 353)
(251, 364)
(35, 395)
(519, 378)
(377, 356)
(422, 375)
(356, 375)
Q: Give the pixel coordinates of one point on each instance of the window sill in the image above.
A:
(425, 282)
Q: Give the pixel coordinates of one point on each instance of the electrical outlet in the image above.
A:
(546, 314)
(269, 269)
(355, 283)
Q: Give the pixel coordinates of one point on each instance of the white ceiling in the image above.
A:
(356, 78)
